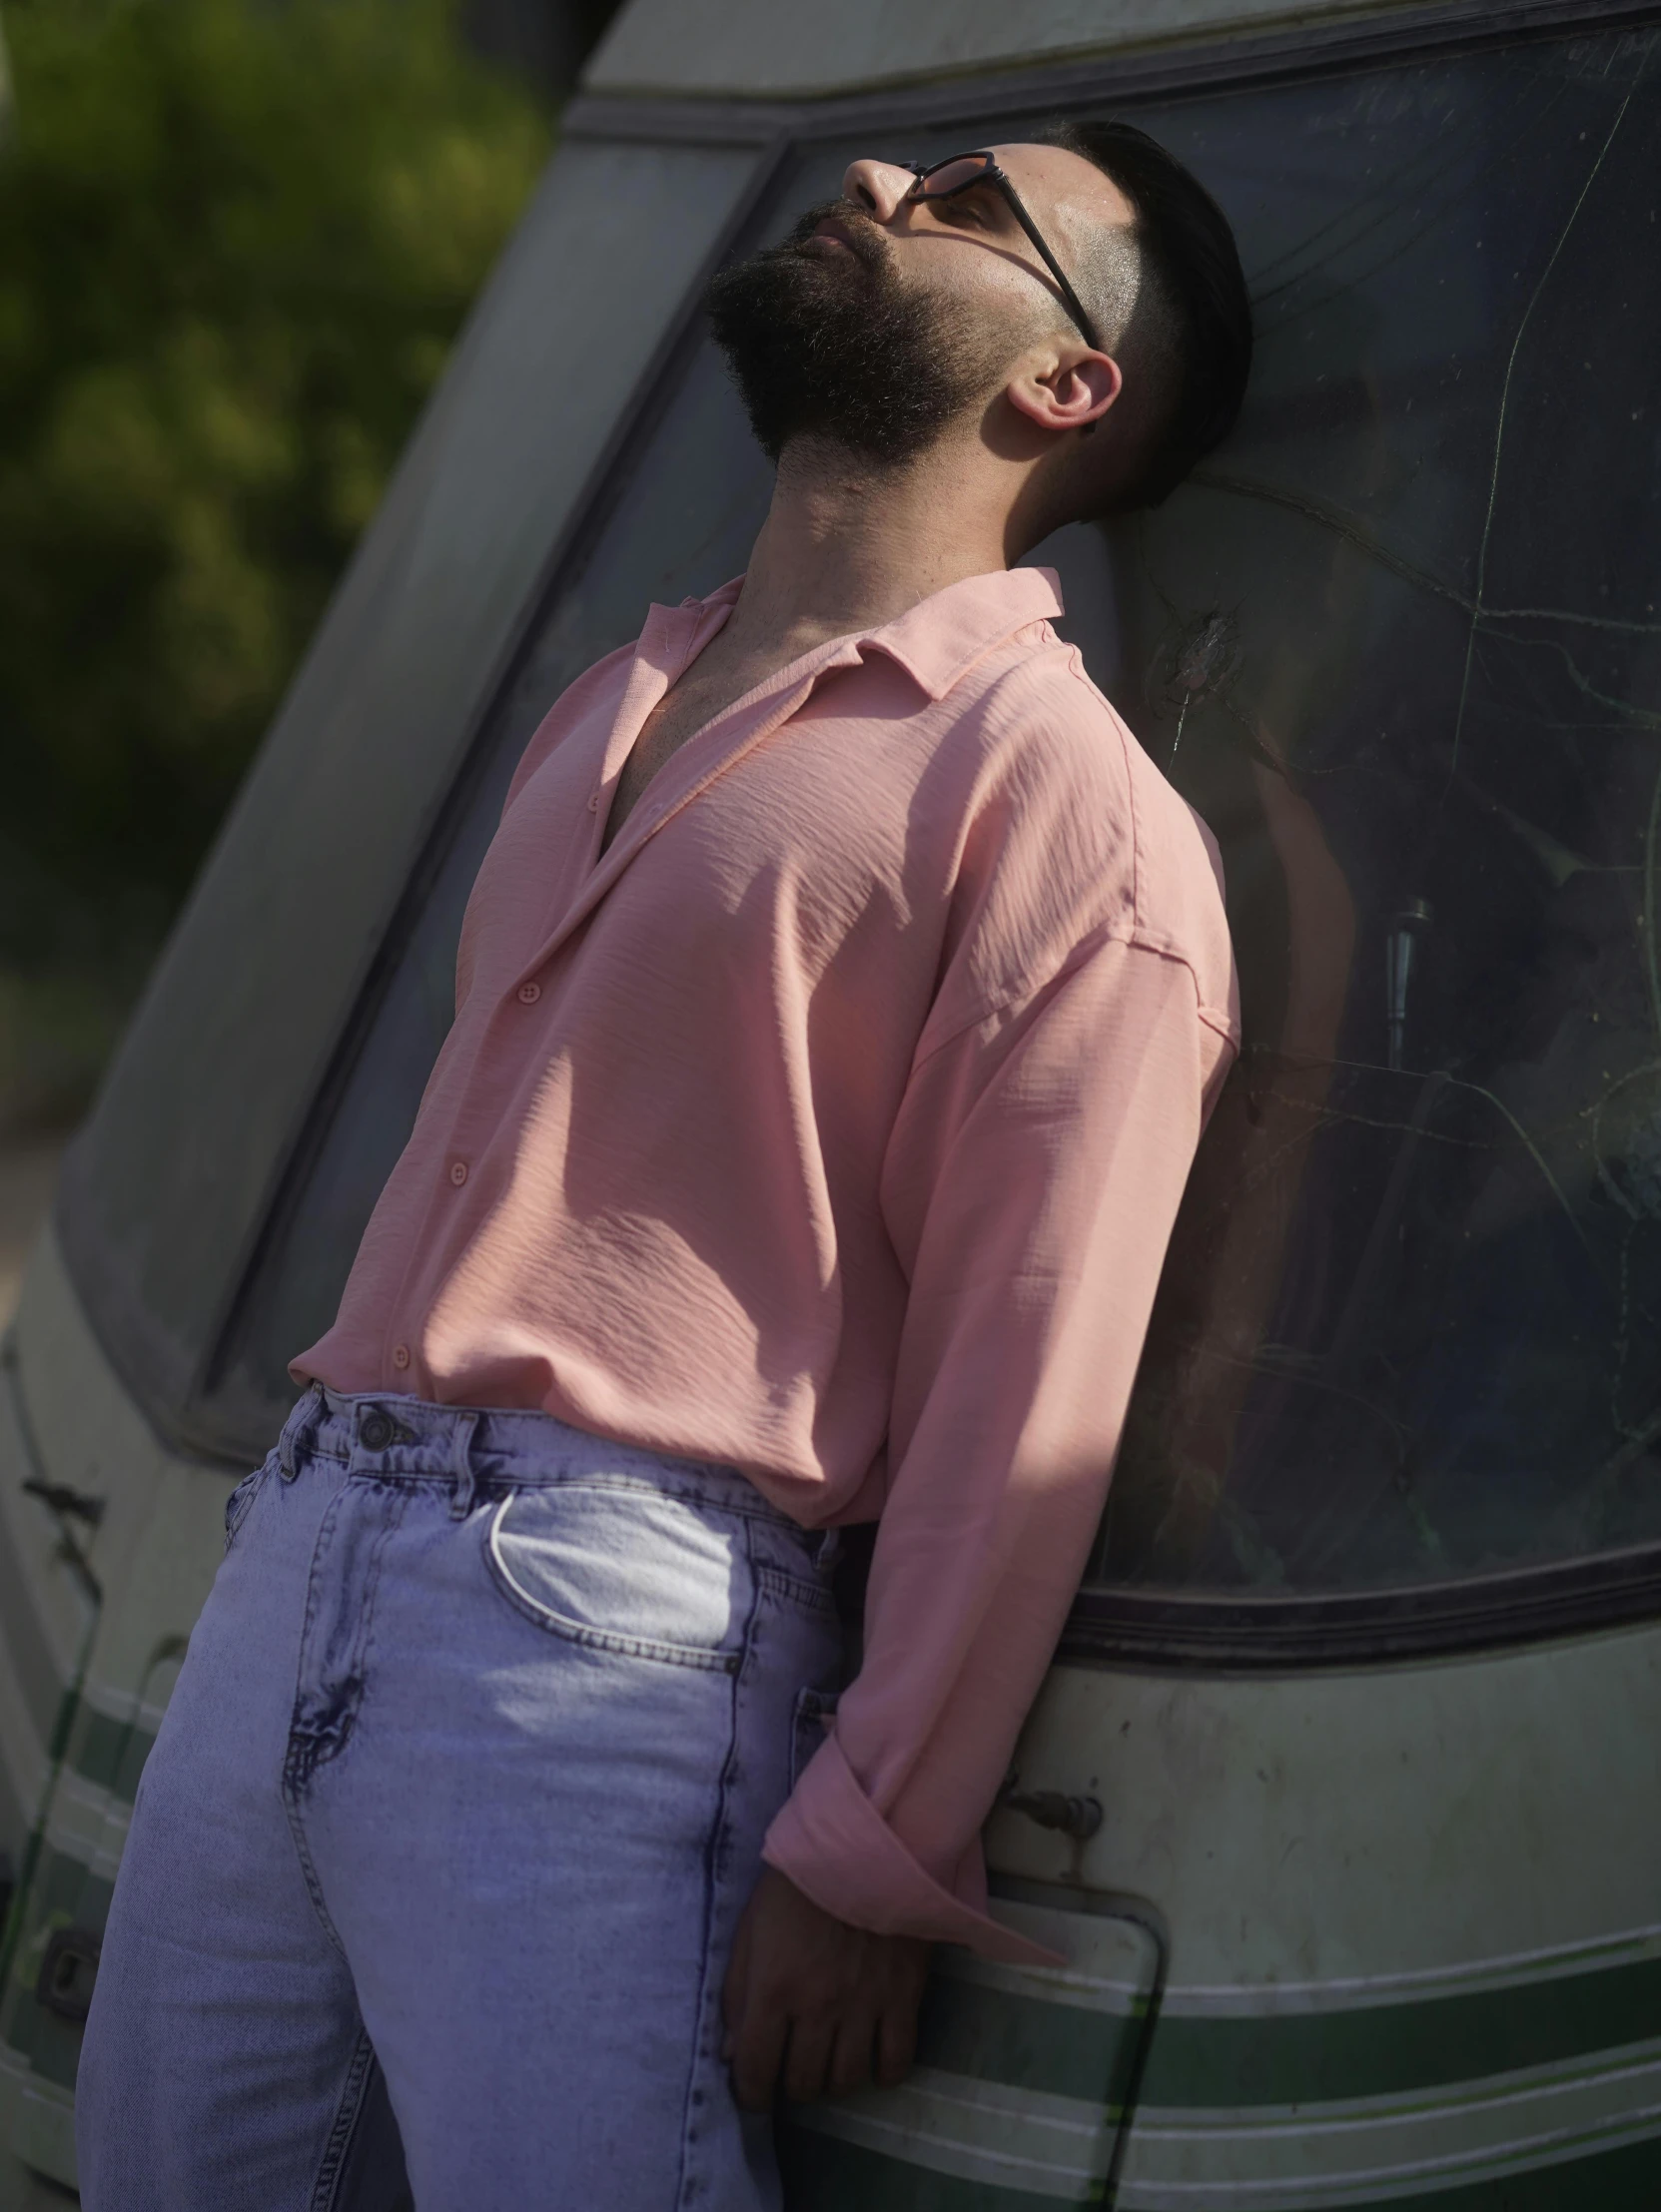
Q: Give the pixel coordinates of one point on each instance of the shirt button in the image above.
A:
(400, 1355)
(529, 993)
(458, 1172)
(593, 802)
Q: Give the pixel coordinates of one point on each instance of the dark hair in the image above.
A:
(1191, 326)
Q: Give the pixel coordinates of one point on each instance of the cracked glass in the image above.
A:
(1399, 643)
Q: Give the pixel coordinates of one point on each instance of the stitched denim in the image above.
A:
(451, 1819)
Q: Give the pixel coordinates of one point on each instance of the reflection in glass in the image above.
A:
(1399, 644)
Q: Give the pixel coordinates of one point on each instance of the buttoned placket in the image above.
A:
(758, 717)
(658, 662)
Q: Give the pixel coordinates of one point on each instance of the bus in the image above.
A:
(1343, 1798)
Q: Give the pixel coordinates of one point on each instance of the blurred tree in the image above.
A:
(235, 241)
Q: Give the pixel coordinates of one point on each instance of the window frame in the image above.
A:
(177, 1398)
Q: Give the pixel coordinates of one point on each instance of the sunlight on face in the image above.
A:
(1067, 198)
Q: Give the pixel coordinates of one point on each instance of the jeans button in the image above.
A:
(377, 1432)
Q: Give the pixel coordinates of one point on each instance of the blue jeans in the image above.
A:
(454, 1809)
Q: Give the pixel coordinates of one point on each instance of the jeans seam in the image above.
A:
(326, 2189)
(303, 1851)
(365, 1646)
(291, 1763)
(302, 1756)
(720, 1829)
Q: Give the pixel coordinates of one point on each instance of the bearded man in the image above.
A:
(838, 1008)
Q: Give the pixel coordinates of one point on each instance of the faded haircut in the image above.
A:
(1170, 296)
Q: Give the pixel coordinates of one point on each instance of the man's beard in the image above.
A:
(831, 344)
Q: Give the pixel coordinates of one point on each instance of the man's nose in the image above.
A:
(877, 186)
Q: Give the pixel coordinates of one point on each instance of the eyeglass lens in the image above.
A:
(951, 175)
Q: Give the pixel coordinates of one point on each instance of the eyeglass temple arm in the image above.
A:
(1070, 299)
(1075, 305)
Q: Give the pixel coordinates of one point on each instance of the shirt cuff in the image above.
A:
(834, 1844)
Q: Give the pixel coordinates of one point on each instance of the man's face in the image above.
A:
(884, 319)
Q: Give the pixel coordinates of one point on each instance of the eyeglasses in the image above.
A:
(944, 180)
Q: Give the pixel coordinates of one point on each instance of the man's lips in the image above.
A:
(834, 234)
(839, 237)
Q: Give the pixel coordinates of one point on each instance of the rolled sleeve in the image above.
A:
(840, 1851)
(1033, 1181)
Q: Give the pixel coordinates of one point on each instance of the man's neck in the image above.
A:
(848, 548)
(844, 549)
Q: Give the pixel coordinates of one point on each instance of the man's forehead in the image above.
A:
(1057, 181)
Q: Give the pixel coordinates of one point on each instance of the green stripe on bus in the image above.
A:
(994, 2036)
(1624, 2180)
(1393, 2049)
(1382, 2050)
(823, 2173)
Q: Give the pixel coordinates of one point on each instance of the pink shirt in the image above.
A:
(832, 1125)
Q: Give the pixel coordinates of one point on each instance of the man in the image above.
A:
(838, 1008)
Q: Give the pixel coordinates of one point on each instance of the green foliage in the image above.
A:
(236, 240)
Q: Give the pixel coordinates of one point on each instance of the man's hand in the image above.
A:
(813, 2005)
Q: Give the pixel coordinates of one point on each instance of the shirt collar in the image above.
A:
(945, 634)
(941, 637)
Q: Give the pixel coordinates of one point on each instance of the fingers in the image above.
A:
(838, 2053)
(817, 2059)
(758, 2043)
(809, 2002)
(850, 2054)
(807, 2058)
(896, 2037)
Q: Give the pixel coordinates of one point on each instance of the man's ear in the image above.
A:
(1072, 393)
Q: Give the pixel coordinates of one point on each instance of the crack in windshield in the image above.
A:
(1409, 1325)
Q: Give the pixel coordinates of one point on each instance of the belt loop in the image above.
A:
(460, 1465)
(296, 1430)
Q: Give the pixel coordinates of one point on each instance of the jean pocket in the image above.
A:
(241, 1500)
(810, 1725)
(626, 1568)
